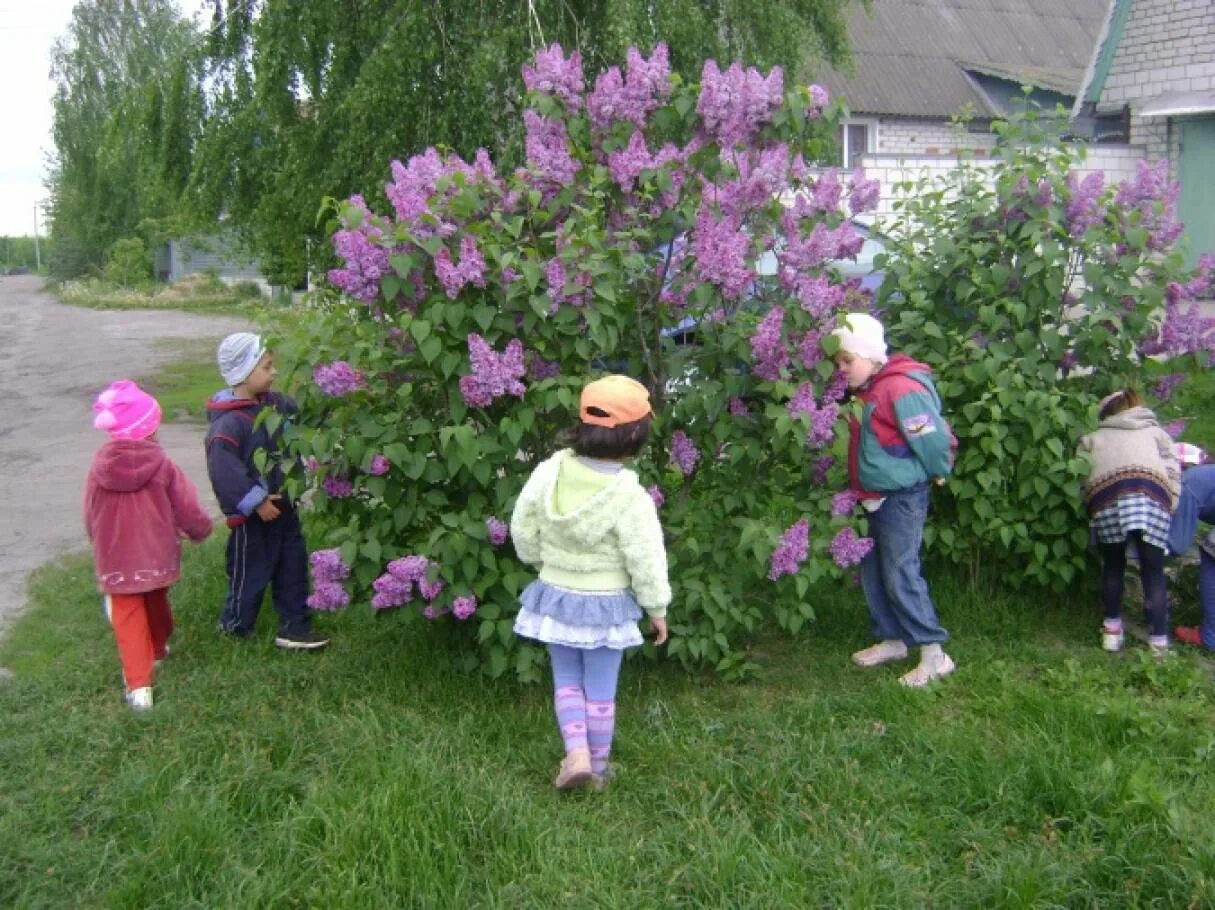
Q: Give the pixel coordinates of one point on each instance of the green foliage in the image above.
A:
(128, 263)
(1026, 320)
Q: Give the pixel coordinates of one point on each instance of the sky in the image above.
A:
(28, 28)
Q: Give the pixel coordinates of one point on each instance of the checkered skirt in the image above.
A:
(1133, 513)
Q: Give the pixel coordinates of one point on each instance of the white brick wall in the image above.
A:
(1166, 46)
(1117, 161)
(908, 136)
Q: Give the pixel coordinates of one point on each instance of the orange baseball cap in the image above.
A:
(621, 399)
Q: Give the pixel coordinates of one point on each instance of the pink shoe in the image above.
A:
(575, 770)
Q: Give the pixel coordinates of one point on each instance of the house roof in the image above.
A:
(912, 57)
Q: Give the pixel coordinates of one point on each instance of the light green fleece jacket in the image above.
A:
(592, 532)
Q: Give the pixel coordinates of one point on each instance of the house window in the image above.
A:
(855, 138)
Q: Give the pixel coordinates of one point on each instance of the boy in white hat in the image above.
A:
(266, 547)
(898, 447)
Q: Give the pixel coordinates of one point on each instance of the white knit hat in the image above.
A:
(862, 336)
(238, 354)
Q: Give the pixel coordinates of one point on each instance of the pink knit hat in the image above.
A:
(126, 411)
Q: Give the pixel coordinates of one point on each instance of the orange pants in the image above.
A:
(142, 626)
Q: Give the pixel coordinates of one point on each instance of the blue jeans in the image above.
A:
(899, 605)
(1197, 501)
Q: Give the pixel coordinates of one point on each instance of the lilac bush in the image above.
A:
(1032, 289)
(478, 304)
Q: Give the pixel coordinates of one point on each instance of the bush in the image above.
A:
(128, 264)
(474, 313)
(1032, 291)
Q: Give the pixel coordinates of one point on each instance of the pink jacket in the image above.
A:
(137, 506)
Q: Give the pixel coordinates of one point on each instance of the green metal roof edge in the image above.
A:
(1122, 11)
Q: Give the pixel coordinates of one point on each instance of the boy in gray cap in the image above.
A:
(266, 547)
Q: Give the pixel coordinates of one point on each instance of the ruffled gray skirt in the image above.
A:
(578, 619)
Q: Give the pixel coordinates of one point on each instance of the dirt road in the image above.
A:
(54, 359)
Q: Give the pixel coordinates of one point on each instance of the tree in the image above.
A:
(309, 100)
(126, 111)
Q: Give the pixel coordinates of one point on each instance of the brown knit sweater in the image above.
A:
(1130, 455)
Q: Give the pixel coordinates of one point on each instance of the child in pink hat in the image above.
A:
(137, 506)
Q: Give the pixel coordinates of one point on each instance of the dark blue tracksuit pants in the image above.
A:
(261, 554)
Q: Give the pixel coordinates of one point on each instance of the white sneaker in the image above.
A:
(881, 653)
(140, 699)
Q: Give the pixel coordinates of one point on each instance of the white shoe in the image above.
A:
(140, 699)
(929, 669)
(1112, 641)
(881, 653)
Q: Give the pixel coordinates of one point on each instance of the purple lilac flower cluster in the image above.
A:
(791, 551)
(656, 496)
(822, 417)
(821, 467)
(722, 252)
(395, 586)
(338, 378)
(1175, 428)
(684, 453)
(626, 164)
(1164, 389)
(768, 346)
(471, 269)
(548, 150)
(415, 184)
(538, 368)
(380, 465)
(738, 408)
(843, 502)
(1182, 331)
(863, 194)
(497, 529)
(337, 487)
(464, 607)
(632, 96)
(761, 175)
(735, 104)
(366, 259)
(1083, 206)
(555, 74)
(1154, 195)
(493, 375)
(847, 549)
(328, 573)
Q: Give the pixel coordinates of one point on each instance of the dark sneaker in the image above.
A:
(1208, 544)
(305, 641)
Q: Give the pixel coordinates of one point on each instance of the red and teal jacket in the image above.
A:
(901, 439)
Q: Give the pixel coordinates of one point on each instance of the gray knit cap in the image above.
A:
(238, 354)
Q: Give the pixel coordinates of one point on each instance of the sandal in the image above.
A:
(926, 672)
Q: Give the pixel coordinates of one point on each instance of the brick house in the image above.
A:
(919, 64)
(1153, 70)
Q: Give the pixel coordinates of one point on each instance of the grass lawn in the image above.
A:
(1043, 773)
(184, 385)
(194, 293)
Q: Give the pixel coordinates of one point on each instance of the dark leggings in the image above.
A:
(1151, 573)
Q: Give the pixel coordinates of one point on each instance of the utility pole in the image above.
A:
(37, 250)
